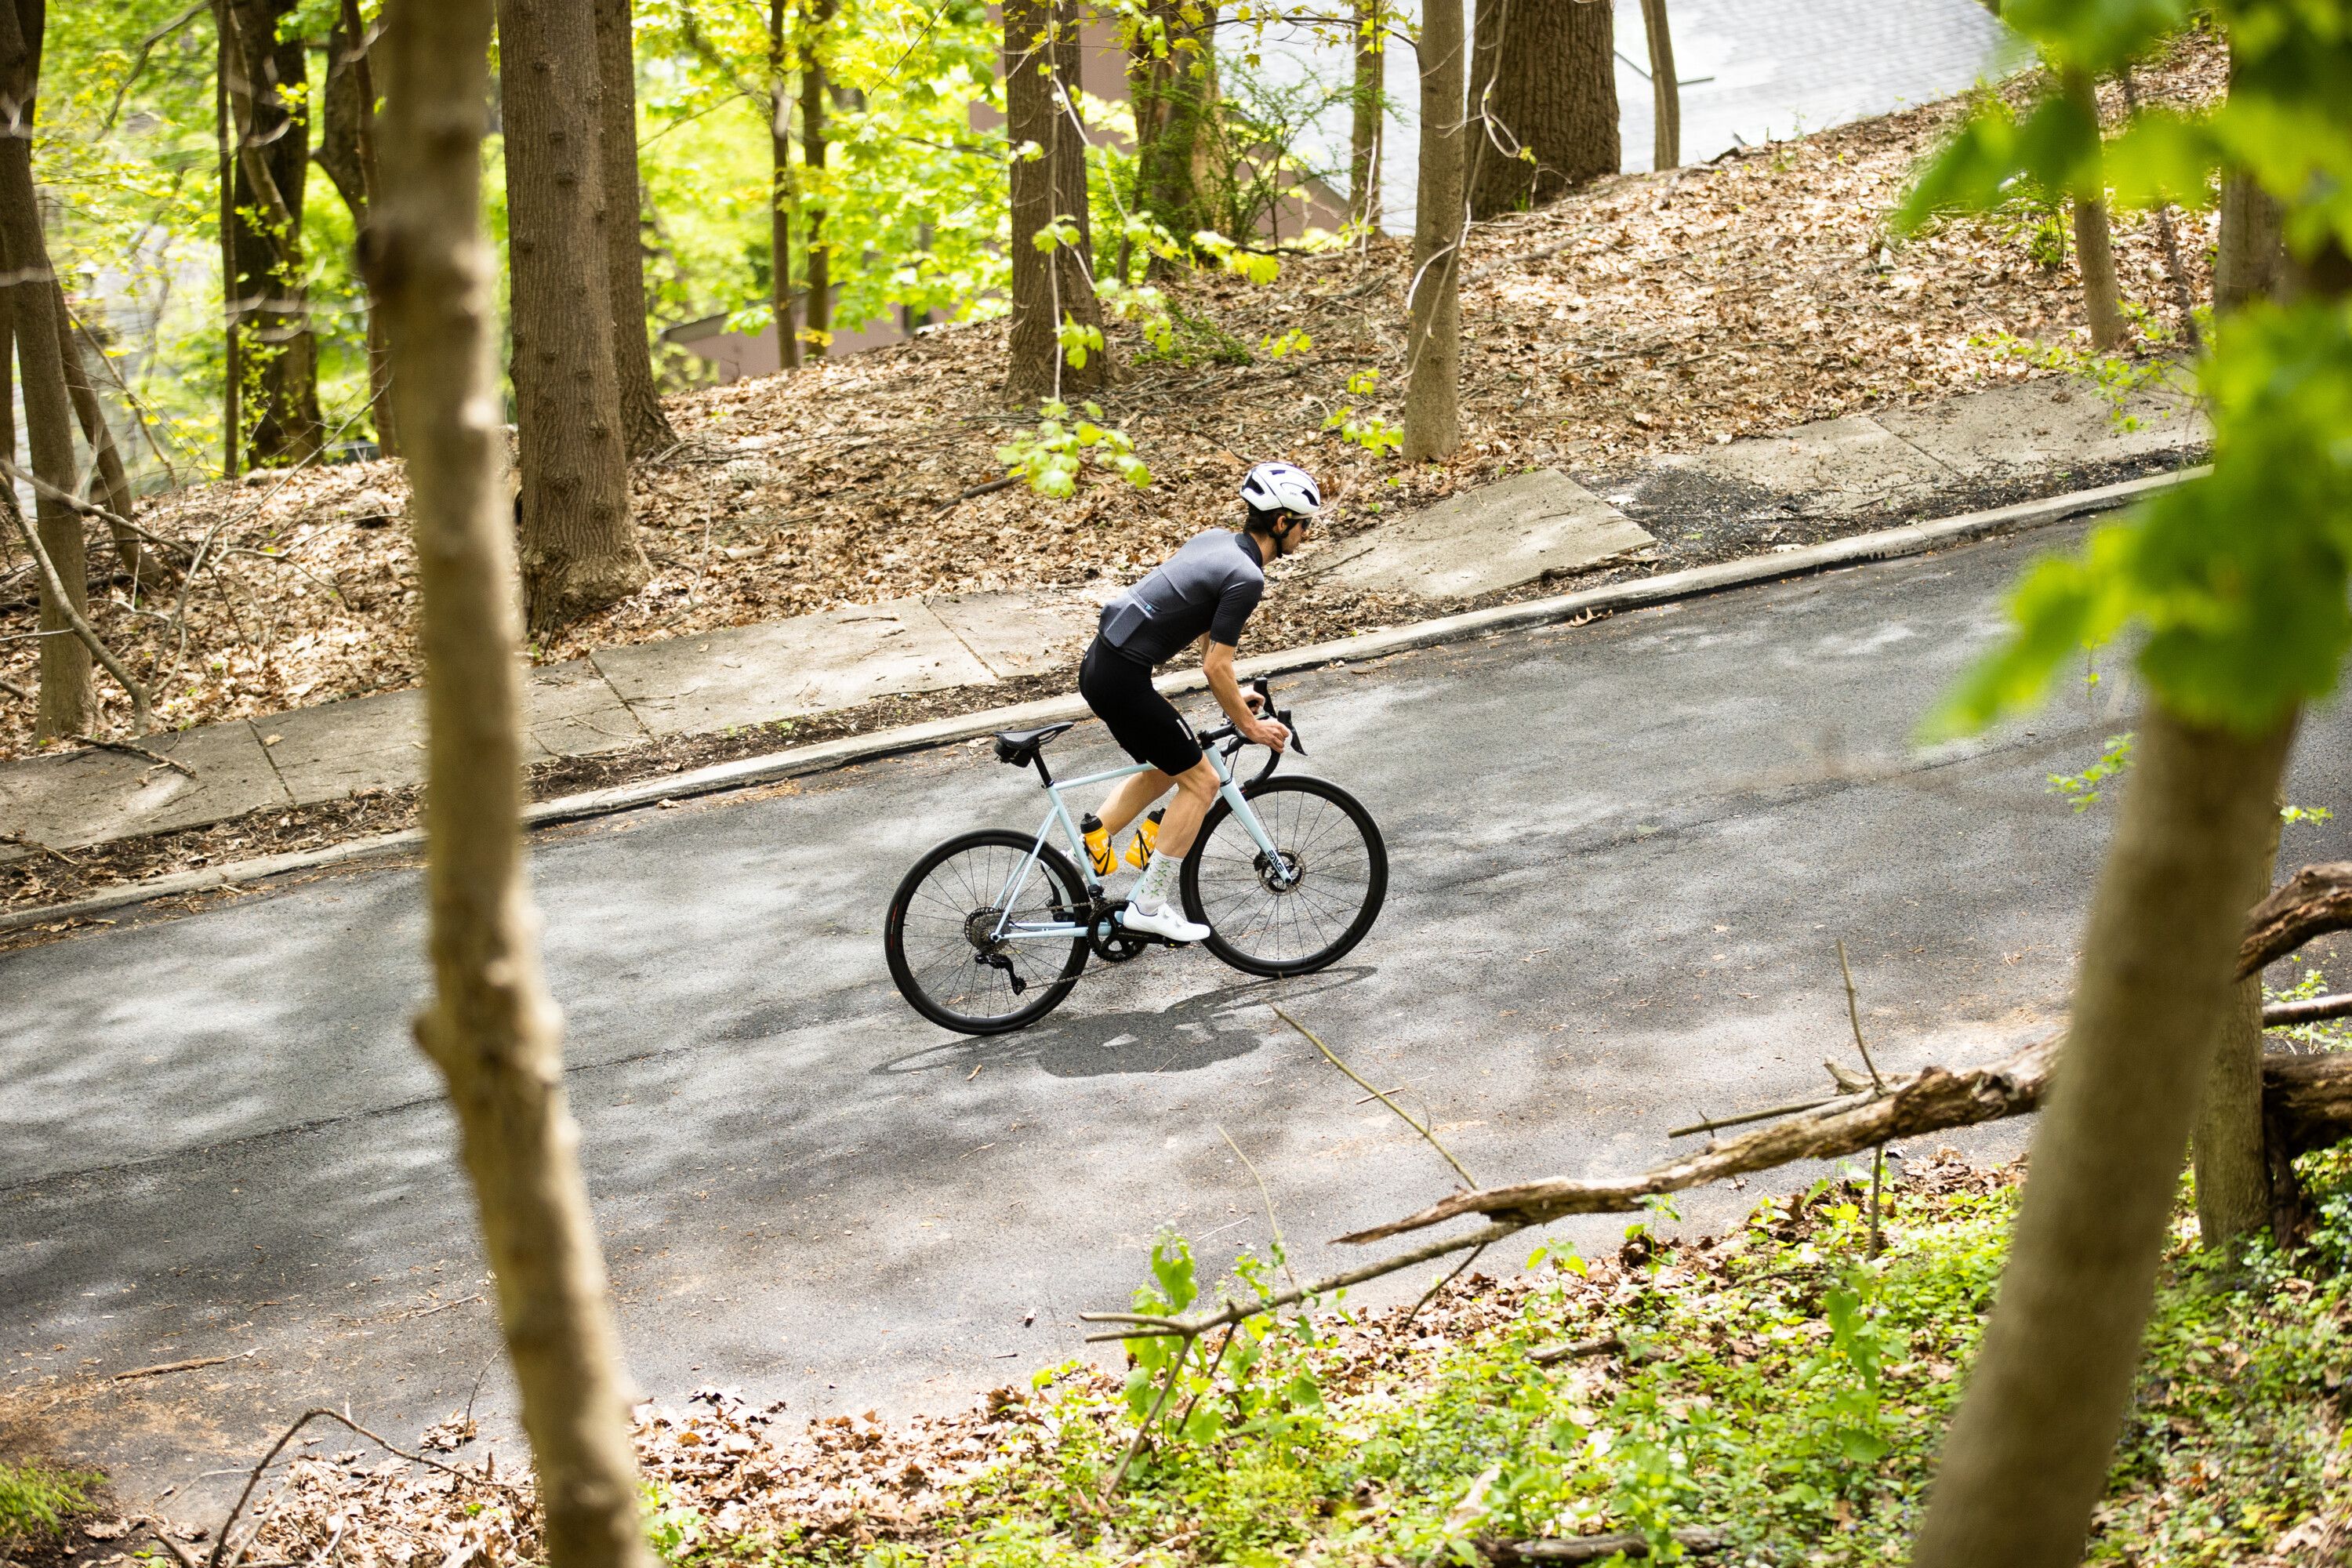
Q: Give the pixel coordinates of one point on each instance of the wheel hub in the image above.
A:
(980, 930)
(1284, 881)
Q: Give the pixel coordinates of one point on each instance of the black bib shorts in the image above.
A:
(1145, 724)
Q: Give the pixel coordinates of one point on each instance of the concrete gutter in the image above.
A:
(1912, 539)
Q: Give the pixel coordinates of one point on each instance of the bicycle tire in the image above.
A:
(1314, 842)
(963, 896)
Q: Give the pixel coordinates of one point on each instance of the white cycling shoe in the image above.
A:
(1165, 923)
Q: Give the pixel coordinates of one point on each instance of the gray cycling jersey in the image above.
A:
(1211, 585)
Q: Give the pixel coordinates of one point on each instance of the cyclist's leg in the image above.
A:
(1132, 798)
(1196, 791)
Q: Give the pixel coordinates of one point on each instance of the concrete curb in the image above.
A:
(1912, 539)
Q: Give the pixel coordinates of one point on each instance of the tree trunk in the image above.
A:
(1069, 147)
(2102, 299)
(68, 701)
(816, 308)
(232, 308)
(1049, 286)
(347, 152)
(1665, 89)
(2026, 1459)
(1543, 101)
(266, 83)
(1365, 102)
(780, 193)
(2250, 262)
(1173, 94)
(145, 566)
(1432, 412)
(645, 427)
(2227, 1148)
(491, 1029)
(579, 550)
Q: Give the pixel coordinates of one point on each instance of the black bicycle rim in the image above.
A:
(1339, 864)
(957, 891)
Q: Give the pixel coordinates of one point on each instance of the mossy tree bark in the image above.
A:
(491, 1027)
(347, 152)
(2027, 1458)
(645, 428)
(265, 81)
(1543, 101)
(1174, 95)
(816, 306)
(1054, 284)
(1433, 405)
(580, 549)
(67, 702)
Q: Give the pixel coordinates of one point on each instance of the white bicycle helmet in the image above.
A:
(1282, 486)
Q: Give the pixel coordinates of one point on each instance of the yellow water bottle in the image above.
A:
(1098, 840)
(1147, 834)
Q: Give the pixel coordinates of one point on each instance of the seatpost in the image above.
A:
(1040, 759)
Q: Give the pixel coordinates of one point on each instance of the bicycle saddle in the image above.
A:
(1020, 747)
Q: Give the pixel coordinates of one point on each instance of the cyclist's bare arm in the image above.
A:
(1223, 685)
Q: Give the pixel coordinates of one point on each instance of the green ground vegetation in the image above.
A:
(1780, 1383)
(36, 1498)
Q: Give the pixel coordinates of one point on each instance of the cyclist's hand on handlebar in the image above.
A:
(1271, 733)
(1256, 700)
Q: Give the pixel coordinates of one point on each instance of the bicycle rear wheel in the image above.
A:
(939, 935)
(1339, 867)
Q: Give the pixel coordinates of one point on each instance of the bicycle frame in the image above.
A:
(1229, 790)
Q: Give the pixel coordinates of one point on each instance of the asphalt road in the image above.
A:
(1621, 856)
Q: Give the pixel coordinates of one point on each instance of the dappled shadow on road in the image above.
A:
(1191, 1033)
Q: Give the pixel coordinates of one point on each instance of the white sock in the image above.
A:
(1151, 887)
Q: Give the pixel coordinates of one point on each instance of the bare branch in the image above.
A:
(1376, 1094)
(142, 714)
(2309, 1010)
(2313, 903)
(127, 749)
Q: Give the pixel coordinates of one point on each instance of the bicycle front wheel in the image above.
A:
(1335, 875)
(950, 933)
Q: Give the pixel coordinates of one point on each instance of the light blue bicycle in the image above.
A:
(992, 928)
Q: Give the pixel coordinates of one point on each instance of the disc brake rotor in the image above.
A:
(1266, 872)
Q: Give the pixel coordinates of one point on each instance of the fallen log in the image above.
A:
(2313, 903)
(1931, 1100)
(2310, 1010)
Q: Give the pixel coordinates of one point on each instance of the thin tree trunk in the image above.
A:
(269, 121)
(2027, 1458)
(145, 566)
(347, 152)
(232, 302)
(1432, 411)
(1665, 89)
(2250, 262)
(780, 192)
(2228, 1149)
(816, 308)
(1366, 99)
(8, 499)
(645, 426)
(1049, 286)
(1068, 152)
(2101, 298)
(68, 701)
(492, 1029)
(579, 548)
(1543, 101)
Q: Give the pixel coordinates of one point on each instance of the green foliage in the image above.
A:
(36, 1498)
(1049, 457)
(676, 1532)
(2239, 580)
(2083, 789)
(1778, 1384)
(1371, 432)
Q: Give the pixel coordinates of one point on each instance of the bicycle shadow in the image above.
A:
(1194, 1032)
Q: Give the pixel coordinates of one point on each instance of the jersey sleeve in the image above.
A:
(1233, 607)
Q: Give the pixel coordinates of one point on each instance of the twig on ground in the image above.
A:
(1576, 1349)
(990, 488)
(1143, 1429)
(1745, 1117)
(1878, 1087)
(1459, 1169)
(29, 842)
(1548, 1549)
(1271, 1224)
(160, 1368)
(129, 749)
(1430, 1295)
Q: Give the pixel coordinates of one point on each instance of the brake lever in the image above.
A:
(1292, 725)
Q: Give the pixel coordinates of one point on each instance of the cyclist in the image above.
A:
(1204, 593)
